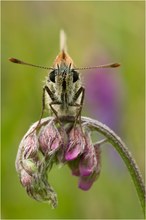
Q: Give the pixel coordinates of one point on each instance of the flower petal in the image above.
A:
(31, 146)
(74, 166)
(76, 144)
(88, 160)
(85, 183)
(49, 138)
(26, 179)
(73, 153)
(89, 165)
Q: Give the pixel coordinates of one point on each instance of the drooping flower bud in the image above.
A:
(88, 160)
(90, 168)
(29, 166)
(87, 165)
(50, 139)
(70, 145)
(31, 146)
(28, 150)
(41, 191)
(76, 144)
(26, 179)
(32, 166)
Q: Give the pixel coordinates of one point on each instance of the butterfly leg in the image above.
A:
(81, 91)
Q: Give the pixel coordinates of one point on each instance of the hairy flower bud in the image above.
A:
(41, 191)
(70, 145)
(32, 166)
(31, 146)
(50, 139)
(87, 165)
(88, 160)
(76, 144)
(29, 166)
(90, 168)
(26, 179)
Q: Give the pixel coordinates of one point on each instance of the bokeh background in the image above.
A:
(98, 33)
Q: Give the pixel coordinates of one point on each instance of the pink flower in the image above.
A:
(87, 165)
(26, 179)
(90, 168)
(38, 151)
(49, 138)
(31, 145)
(76, 144)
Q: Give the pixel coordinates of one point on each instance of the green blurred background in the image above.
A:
(30, 31)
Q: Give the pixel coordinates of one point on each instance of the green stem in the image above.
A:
(125, 154)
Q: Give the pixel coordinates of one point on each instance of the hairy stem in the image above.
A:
(124, 153)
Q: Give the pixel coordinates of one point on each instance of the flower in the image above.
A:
(26, 179)
(87, 165)
(76, 144)
(49, 139)
(31, 166)
(38, 151)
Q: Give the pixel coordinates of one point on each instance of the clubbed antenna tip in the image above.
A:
(14, 60)
(115, 65)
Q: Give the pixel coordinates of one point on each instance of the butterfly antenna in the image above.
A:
(112, 65)
(14, 60)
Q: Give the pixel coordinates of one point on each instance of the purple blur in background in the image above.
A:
(104, 100)
(104, 95)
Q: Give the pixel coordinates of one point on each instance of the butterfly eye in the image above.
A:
(52, 76)
(75, 75)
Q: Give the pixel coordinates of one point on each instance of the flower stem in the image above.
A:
(124, 153)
